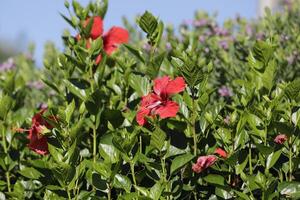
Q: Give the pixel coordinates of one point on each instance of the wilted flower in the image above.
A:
(225, 91)
(227, 120)
(290, 59)
(221, 152)
(9, 64)
(111, 40)
(158, 102)
(280, 139)
(204, 162)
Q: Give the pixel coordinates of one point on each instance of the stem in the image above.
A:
(8, 181)
(94, 144)
(6, 161)
(193, 124)
(250, 158)
(163, 164)
(109, 192)
(141, 145)
(290, 160)
(68, 192)
(133, 173)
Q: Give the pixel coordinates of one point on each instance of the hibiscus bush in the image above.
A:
(147, 111)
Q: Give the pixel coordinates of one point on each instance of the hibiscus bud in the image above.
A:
(196, 168)
(204, 162)
(280, 139)
(221, 152)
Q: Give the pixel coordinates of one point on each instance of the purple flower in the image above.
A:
(220, 31)
(168, 46)
(202, 38)
(36, 85)
(187, 22)
(224, 91)
(260, 36)
(224, 44)
(200, 22)
(147, 47)
(28, 56)
(248, 29)
(9, 64)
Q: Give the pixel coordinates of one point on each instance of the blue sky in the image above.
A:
(38, 21)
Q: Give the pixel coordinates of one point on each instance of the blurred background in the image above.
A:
(35, 22)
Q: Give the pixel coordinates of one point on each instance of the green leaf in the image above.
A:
(140, 84)
(6, 103)
(155, 191)
(260, 56)
(134, 51)
(68, 20)
(150, 25)
(269, 75)
(31, 173)
(75, 90)
(99, 183)
(107, 149)
(292, 90)
(122, 182)
(158, 138)
(214, 179)
(54, 153)
(180, 161)
(69, 111)
(272, 158)
(290, 189)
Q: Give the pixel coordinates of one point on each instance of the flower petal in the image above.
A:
(149, 100)
(160, 84)
(170, 109)
(142, 113)
(97, 27)
(221, 152)
(98, 59)
(175, 86)
(114, 37)
(37, 143)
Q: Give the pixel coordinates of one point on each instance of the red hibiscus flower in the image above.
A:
(158, 102)
(37, 141)
(111, 40)
(280, 139)
(221, 152)
(204, 162)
